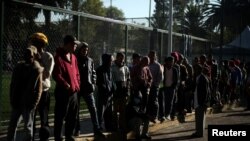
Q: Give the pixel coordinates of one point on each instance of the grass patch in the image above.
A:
(5, 100)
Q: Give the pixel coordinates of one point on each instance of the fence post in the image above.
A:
(78, 27)
(1, 53)
(161, 49)
(126, 44)
(154, 40)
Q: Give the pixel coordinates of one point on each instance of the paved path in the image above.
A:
(182, 132)
(173, 130)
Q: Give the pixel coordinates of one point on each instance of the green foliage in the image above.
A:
(98, 33)
(88, 26)
(194, 21)
(92, 7)
(114, 13)
(160, 15)
(234, 14)
(5, 104)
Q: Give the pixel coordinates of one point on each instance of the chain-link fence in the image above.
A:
(102, 34)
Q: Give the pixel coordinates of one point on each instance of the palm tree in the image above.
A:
(160, 15)
(54, 3)
(194, 20)
(235, 15)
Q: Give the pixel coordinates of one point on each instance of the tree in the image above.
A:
(160, 15)
(235, 15)
(89, 26)
(110, 33)
(179, 7)
(194, 21)
(47, 13)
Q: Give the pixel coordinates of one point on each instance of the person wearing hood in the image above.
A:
(67, 78)
(104, 82)
(25, 93)
(87, 87)
(121, 78)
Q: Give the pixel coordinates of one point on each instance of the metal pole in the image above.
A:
(222, 30)
(161, 49)
(1, 52)
(78, 26)
(170, 29)
(111, 11)
(126, 44)
(149, 14)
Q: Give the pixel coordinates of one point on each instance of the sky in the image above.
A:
(132, 8)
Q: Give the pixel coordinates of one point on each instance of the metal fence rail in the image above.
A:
(104, 35)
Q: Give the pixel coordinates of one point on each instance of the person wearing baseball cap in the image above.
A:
(71, 39)
(46, 60)
(87, 87)
(67, 77)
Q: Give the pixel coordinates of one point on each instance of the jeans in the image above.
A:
(43, 110)
(139, 126)
(153, 104)
(105, 111)
(90, 101)
(15, 119)
(66, 108)
(200, 119)
(166, 100)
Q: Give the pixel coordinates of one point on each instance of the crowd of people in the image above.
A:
(127, 98)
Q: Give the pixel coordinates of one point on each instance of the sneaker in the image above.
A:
(154, 121)
(69, 139)
(99, 134)
(172, 118)
(168, 118)
(146, 136)
(162, 119)
(77, 133)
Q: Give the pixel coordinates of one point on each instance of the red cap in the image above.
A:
(175, 55)
(237, 62)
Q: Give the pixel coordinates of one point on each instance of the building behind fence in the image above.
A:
(103, 35)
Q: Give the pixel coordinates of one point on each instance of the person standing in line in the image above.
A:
(25, 93)
(136, 58)
(67, 77)
(175, 103)
(121, 76)
(141, 79)
(189, 95)
(247, 87)
(181, 90)
(87, 87)
(46, 60)
(169, 86)
(202, 97)
(104, 82)
(157, 74)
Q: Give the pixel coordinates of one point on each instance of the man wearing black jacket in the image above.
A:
(87, 87)
(105, 93)
(201, 100)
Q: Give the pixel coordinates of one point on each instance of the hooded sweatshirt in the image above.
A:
(66, 72)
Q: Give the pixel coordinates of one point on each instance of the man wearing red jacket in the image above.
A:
(66, 75)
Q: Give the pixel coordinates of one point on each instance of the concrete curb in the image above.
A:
(117, 136)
